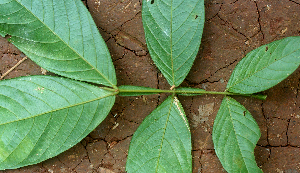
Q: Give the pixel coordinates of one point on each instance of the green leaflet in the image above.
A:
(60, 36)
(235, 134)
(173, 32)
(265, 66)
(42, 116)
(162, 143)
(138, 90)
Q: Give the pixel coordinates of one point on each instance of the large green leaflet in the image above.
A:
(265, 66)
(60, 36)
(162, 143)
(235, 134)
(173, 30)
(42, 116)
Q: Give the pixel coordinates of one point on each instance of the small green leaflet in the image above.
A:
(42, 116)
(173, 32)
(235, 134)
(60, 36)
(162, 143)
(265, 66)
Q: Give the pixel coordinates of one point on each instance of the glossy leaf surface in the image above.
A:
(60, 36)
(42, 116)
(162, 143)
(235, 134)
(265, 66)
(173, 32)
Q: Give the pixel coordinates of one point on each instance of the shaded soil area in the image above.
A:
(232, 29)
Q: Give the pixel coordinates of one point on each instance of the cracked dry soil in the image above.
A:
(232, 29)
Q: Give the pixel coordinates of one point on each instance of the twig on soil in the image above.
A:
(11, 69)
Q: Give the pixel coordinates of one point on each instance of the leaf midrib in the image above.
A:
(229, 110)
(171, 43)
(164, 132)
(58, 109)
(93, 67)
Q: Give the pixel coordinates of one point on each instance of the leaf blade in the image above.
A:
(46, 126)
(60, 37)
(173, 32)
(160, 146)
(265, 66)
(235, 134)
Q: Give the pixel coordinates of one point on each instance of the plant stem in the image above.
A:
(11, 69)
(258, 96)
(110, 89)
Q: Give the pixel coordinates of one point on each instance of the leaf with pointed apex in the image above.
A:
(265, 66)
(162, 143)
(235, 134)
(173, 32)
(42, 116)
(60, 36)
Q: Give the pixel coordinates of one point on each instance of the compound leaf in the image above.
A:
(235, 134)
(173, 32)
(162, 143)
(265, 66)
(42, 116)
(60, 36)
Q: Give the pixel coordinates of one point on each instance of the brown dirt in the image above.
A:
(232, 29)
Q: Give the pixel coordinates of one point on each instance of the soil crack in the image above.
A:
(295, 2)
(259, 22)
(230, 26)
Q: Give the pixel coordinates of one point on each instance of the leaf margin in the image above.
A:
(109, 78)
(235, 165)
(236, 85)
(200, 16)
(170, 103)
(110, 97)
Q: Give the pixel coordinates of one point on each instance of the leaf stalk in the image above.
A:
(258, 96)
